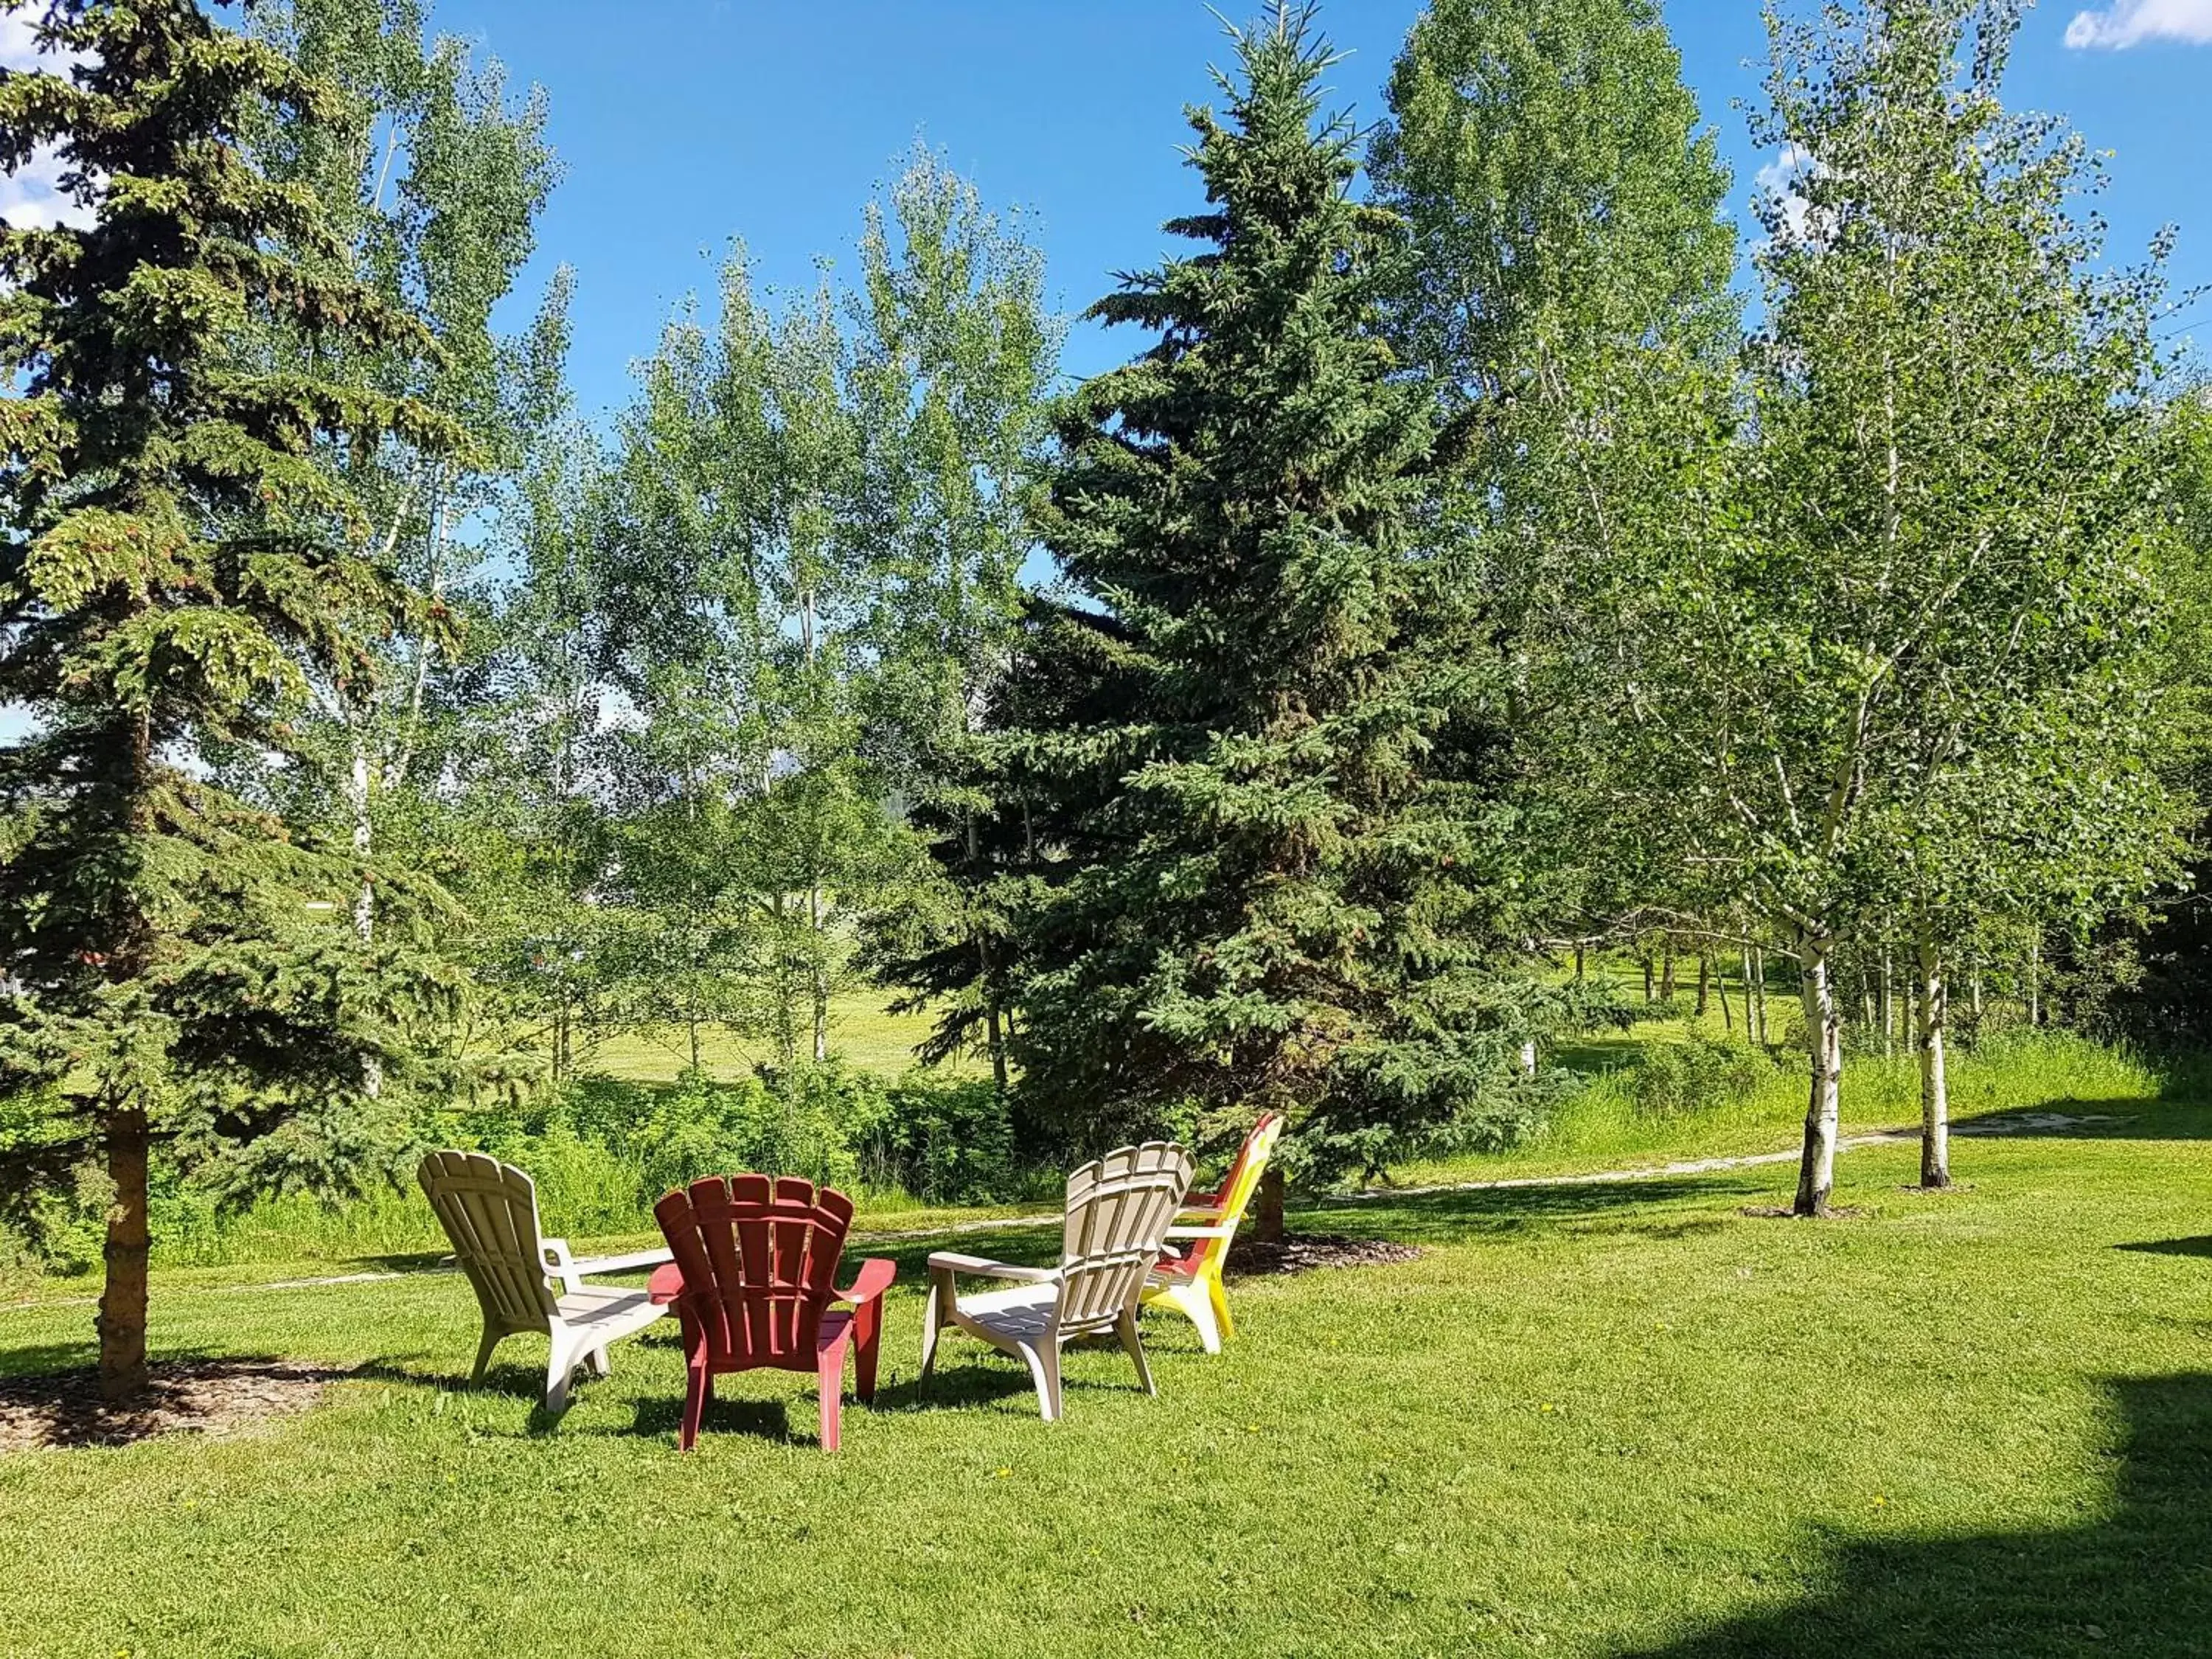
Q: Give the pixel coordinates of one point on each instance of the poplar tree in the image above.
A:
(1254, 760)
(175, 960)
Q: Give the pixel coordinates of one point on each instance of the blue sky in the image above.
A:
(683, 123)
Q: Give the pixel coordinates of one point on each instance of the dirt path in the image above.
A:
(2010, 1123)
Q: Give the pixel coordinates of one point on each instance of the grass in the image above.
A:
(862, 1030)
(1629, 1419)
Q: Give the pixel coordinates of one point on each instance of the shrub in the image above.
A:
(1677, 1079)
(944, 1140)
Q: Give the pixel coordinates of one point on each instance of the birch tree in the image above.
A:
(1895, 653)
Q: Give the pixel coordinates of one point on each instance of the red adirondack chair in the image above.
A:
(753, 1281)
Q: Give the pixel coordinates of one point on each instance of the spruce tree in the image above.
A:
(178, 566)
(1255, 771)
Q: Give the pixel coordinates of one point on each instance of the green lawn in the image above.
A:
(862, 1030)
(1626, 1419)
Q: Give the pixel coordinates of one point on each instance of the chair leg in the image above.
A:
(698, 1390)
(1043, 1359)
(560, 1364)
(1133, 1345)
(829, 1383)
(600, 1365)
(936, 1313)
(698, 1383)
(491, 1339)
(1218, 1296)
(1202, 1309)
(867, 1344)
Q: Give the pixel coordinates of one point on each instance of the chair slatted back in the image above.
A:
(1241, 1181)
(1119, 1210)
(490, 1211)
(759, 1259)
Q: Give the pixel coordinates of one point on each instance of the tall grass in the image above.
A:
(1607, 1124)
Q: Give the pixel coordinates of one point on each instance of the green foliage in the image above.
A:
(179, 573)
(1243, 761)
(945, 1142)
(1675, 1078)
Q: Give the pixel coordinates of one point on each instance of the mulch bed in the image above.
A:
(206, 1396)
(1303, 1252)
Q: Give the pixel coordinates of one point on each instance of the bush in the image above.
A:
(942, 1140)
(1678, 1078)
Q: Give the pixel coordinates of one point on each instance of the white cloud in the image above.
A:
(30, 197)
(18, 45)
(1781, 181)
(2129, 22)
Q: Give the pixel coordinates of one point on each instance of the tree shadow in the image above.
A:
(1591, 1205)
(2200, 1245)
(189, 1390)
(2136, 1117)
(2138, 1580)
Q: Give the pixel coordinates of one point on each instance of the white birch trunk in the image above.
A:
(1888, 1007)
(1816, 1172)
(1934, 997)
(364, 901)
(821, 986)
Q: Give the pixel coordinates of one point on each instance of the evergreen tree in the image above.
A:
(175, 963)
(1255, 768)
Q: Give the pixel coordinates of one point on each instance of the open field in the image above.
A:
(862, 1030)
(1590, 1420)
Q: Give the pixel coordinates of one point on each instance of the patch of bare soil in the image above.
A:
(206, 1396)
(1303, 1252)
(1783, 1213)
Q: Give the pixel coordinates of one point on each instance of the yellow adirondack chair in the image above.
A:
(1190, 1282)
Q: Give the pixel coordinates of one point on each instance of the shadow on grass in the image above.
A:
(2201, 1245)
(184, 1390)
(2137, 1581)
(1595, 1206)
(2142, 1117)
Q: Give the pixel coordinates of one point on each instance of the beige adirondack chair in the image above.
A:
(489, 1210)
(1118, 1212)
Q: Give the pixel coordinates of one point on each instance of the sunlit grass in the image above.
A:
(1589, 1421)
(862, 1031)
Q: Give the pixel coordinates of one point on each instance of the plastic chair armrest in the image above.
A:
(1200, 1232)
(559, 1264)
(953, 1262)
(875, 1278)
(666, 1285)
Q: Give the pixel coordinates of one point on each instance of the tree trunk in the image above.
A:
(820, 979)
(1934, 1094)
(1816, 1170)
(121, 1321)
(1704, 981)
(1758, 993)
(1743, 966)
(2035, 978)
(998, 1037)
(1268, 1223)
(1528, 1056)
(1647, 976)
(1578, 965)
(1728, 1008)
(1667, 973)
(1888, 1008)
